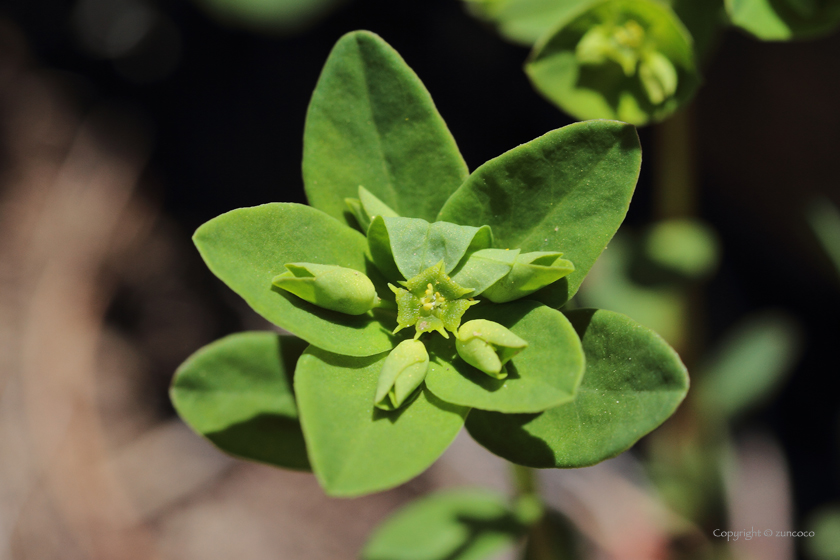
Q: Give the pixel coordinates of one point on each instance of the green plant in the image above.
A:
(636, 60)
(422, 298)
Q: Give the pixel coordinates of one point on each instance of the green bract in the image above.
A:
(627, 59)
(487, 257)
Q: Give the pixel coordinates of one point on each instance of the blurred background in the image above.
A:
(125, 124)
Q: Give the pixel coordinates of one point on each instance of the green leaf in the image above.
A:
(461, 524)
(681, 248)
(749, 365)
(415, 245)
(566, 191)
(783, 20)
(237, 392)
(545, 374)
(246, 248)
(525, 21)
(604, 89)
(633, 382)
(482, 269)
(356, 448)
(269, 16)
(371, 123)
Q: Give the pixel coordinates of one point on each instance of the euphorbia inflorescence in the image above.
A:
(431, 301)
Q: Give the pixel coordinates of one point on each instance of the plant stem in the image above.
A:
(539, 533)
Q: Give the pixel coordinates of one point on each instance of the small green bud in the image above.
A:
(488, 346)
(332, 287)
(530, 272)
(403, 371)
(658, 77)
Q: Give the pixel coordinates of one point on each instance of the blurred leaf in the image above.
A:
(356, 448)
(237, 392)
(566, 191)
(587, 88)
(686, 248)
(825, 544)
(783, 20)
(562, 537)
(824, 218)
(279, 16)
(246, 248)
(751, 362)
(525, 21)
(704, 19)
(462, 524)
(632, 383)
(545, 374)
(371, 123)
(609, 286)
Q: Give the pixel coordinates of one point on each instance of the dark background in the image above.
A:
(226, 131)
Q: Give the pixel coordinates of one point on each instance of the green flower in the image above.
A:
(431, 302)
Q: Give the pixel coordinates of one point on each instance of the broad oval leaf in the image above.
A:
(783, 20)
(237, 392)
(371, 123)
(566, 191)
(646, 89)
(246, 248)
(544, 375)
(460, 524)
(632, 383)
(414, 245)
(356, 448)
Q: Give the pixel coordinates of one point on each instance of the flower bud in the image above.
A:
(403, 371)
(530, 272)
(488, 346)
(332, 287)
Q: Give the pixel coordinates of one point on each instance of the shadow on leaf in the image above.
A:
(267, 438)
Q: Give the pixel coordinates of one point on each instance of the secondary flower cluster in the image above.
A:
(435, 298)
